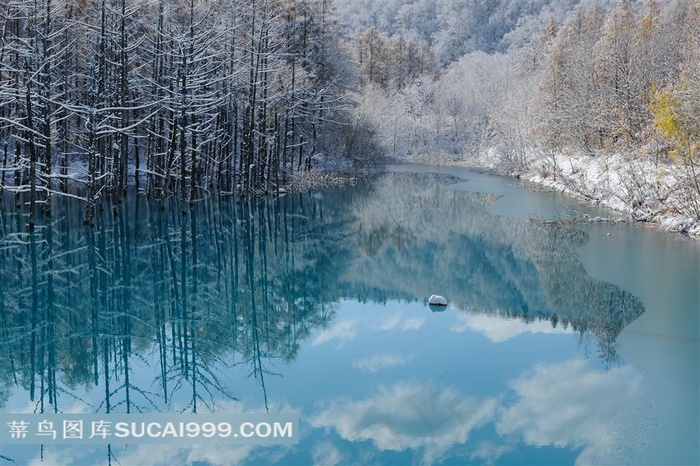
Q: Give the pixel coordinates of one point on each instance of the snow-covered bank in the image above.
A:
(652, 191)
(306, 180)
(649, 192)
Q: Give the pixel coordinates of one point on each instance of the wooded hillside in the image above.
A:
(523, 83)
(189, 97)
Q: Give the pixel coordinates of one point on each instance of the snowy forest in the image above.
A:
(191, 94)
(188, 98)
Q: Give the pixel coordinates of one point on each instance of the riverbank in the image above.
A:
(650, 191)
(658, 193)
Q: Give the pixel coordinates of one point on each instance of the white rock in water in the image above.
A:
(436, 300)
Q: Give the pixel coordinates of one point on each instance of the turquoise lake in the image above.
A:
(561, 344)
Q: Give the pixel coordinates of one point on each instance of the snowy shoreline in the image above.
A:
(646, 191)
(650, 192)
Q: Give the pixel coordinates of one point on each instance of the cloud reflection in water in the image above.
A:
(563, 405)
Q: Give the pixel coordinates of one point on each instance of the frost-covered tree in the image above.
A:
(676, 111)
(391, 62)
(30, 54)
(569, 88)
(193, 96)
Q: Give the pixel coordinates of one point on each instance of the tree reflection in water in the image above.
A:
(236, 284)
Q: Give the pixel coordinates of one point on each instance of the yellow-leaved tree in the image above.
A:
(676, 110)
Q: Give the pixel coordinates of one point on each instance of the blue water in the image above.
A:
(561, 344)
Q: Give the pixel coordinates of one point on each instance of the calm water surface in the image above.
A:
(560, 345)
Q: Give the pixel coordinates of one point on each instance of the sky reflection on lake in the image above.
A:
(317, 304)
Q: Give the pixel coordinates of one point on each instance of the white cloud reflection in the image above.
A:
(396, 322)
(326, 454)
(499, 329)
(569, 404)
(412, 323)
(391, 322)
(408, 416)
(161, 454)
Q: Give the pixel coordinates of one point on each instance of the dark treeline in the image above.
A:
(185, 96)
